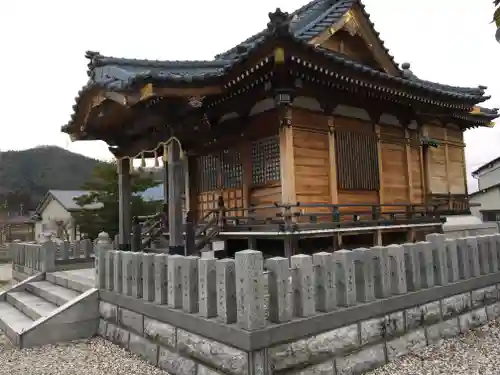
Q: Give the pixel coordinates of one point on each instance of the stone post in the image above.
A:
(207, 287)
(346, 290)
(103, 245)
(439, 257)
(226, 290)
(118, 271)
(189, 275)
(110, 270)
(452, 256)
(65, 250)
(326, 289)
(382, 281)
(493, 253)
(137, 275)
(364, 269)
(426, 264)
(127, 260)
(48, 256)
(279, 290)
(473, 252)
(161, 287)
(464, 269)
(148, 277)
(398, 269)
(86, 246)
(174, 281)
(413, 279)
(250, 289)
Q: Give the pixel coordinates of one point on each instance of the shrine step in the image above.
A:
(39, 311)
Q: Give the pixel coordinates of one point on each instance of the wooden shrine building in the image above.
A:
(307, 130)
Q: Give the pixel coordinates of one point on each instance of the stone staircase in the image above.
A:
(48, 308)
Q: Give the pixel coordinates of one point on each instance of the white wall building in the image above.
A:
(486, 201)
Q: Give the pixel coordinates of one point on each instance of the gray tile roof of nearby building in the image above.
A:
(66, 198)
(118, 74)
(485, 166)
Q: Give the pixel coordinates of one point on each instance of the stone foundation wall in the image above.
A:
(340, 313)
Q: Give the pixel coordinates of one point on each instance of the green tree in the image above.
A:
(103, 187)
(496, 18)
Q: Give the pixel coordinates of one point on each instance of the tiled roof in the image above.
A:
(117, 74)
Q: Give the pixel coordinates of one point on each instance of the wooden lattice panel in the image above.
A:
(231, 169)
(208, 167)
(357, 161)
(265, 161)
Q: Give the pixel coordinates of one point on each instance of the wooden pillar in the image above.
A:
(332, 157)
(426, 166)
(287, 159)
(447, 161)
(409, 169)
(175, 182)
(246, 163)
(124, 204)
(187, 183)
(165, 181)
(381, 198)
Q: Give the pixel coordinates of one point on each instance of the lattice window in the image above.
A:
(232, 169)
(265, 160)
(357, 160)
(208, 166)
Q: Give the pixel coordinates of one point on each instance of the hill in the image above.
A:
(25, 176)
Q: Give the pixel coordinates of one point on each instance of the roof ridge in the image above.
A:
(261, 33)
(97, 59)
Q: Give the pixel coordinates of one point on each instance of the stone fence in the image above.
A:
(459, 231)
(31, 258)
(347, 311)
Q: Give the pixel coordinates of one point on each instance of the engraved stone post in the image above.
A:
(137, 275)
(48, 256)
(65, 250)
(189, 274)
(452, 257)
(426, 264)
(109, 270)
(250, 289)
(103, 245)
(493, 253)
(86, 246)
(364, 269)
(483, 243)
(346, 291)
(413, 279)
(174, 281)
(326, 288)
(117, 271)
(161, 286)
(127, 260)
(279, 290)
(207, 287)
(439, 258)
(464, 270)
(381, 271)
(473, 253)
(148, 277)
(226, 290)
(397, 268)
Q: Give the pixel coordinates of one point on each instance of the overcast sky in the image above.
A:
(43, 45)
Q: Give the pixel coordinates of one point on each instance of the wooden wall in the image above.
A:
(311, 158)
(246, 193)
(446, 163)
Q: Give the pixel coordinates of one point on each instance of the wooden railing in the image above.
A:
(295, 217)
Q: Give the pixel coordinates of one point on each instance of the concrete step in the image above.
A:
(13, 321)
(53, 293)
(30, 304)
(70, 281)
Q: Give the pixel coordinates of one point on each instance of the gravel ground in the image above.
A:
(476, 352)
(86, 357)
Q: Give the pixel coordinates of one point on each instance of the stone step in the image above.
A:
(13, 321)
(70, 281)
(30, 304)
(54, 293)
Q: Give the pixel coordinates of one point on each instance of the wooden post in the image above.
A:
(409, 169)
(187, 184)
(165, 181)
(287, 160)
(124, 204)
(332, 157)
(381, 198)
(447, 168)
(175, 182)
(246, 163)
